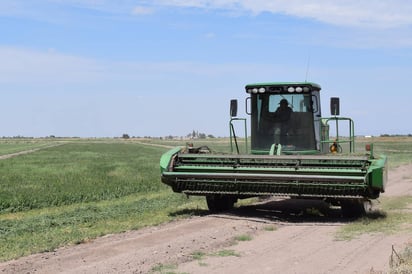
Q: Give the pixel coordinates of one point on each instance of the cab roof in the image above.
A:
(285, 85)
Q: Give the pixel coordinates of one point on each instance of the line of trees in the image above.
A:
(396, 135)
(199, 135)
(192, 135)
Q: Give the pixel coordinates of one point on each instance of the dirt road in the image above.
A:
(282, 239)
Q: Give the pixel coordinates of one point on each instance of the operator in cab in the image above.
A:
(282, 117)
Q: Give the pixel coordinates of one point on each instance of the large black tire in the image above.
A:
(353, 208)
(218, 203)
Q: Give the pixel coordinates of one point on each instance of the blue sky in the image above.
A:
(100, 68)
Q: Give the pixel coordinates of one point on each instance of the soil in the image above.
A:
(283, 238)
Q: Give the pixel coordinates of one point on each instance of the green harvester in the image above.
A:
(290, 154)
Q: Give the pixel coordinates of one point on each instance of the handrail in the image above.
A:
(351, 140)
(233, 137)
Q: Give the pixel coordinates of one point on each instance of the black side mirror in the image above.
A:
(334, 106)
(233, 108)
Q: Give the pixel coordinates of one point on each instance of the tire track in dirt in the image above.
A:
(154, 145)
(11, 155)
(301, 249)
(136, 251)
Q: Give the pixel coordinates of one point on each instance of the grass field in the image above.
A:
(80, 190)
(398, 149)
(71, 191)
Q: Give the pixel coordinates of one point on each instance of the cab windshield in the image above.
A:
(285, 119)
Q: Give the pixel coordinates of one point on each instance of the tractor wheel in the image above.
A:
(353, 208)
(218, 203)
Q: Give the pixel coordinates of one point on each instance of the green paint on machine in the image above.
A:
(292, 154)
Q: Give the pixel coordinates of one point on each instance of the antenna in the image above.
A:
(307, 68)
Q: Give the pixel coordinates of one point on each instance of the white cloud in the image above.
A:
(380, 14)
(21, 65)
(365, 13)
(23, 68)
(141, 10)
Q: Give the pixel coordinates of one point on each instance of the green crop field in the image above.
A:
(73, 190)
(398, 149)
(79, 190)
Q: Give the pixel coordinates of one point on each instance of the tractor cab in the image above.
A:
(285, 114)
